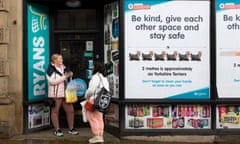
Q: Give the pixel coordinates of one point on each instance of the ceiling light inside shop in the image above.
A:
(73, 3)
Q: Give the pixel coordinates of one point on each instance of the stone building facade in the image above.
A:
(11, 67)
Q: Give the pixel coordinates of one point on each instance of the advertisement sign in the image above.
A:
(38, 50)
(167, 52)
(168, 116)
(228, 48)
(227, 116)
(38, 116)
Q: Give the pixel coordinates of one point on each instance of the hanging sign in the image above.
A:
(37, 50)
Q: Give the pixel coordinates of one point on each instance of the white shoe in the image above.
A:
(73, 131)
(96, 139)
(58, 133)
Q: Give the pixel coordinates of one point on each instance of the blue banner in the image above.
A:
(38, 50)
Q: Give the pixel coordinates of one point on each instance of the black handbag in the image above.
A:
(102, 100)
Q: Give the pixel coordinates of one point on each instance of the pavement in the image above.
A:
(82, 137)
(47, 137)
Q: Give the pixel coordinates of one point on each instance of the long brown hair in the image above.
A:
(99, 67)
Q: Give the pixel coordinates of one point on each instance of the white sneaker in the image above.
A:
(73, 131)
(58, 133)
(96, 139)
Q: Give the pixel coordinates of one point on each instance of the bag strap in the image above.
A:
(98, 85)
(55, 90)
(100, 80)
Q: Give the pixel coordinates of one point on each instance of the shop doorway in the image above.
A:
(77, 54)
(77, 36)
(70, 29)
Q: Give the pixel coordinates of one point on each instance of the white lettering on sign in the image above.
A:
(38, 66)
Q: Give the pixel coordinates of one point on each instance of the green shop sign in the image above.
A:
(38, 50)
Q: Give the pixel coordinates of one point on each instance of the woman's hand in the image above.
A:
(69, 74)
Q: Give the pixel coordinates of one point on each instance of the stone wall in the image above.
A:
(11, 67)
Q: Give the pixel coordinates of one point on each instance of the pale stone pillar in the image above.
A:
(11, 67)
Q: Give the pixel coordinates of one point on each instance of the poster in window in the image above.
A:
(166, 51)
(228, 48)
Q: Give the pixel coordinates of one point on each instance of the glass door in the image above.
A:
(73, 54)
(77, 51)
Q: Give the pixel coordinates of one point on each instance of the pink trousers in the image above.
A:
(96, 122)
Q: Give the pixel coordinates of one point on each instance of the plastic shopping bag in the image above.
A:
(71, 93)
(84, 116)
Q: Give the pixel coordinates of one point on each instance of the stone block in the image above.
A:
(4, 5)
(3, 51)
(4, 35)
(4, 67)
(3, 84)
(4, 129)
(4, 19)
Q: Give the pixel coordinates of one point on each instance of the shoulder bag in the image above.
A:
(103, 99)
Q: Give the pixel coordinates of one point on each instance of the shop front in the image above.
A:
(170, 64)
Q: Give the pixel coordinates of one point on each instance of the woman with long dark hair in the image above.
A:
(95, 117)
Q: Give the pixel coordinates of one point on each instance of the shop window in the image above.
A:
(76, 19)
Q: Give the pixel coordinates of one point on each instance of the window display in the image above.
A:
(111, 45)
(227, 116)
(168, 116)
